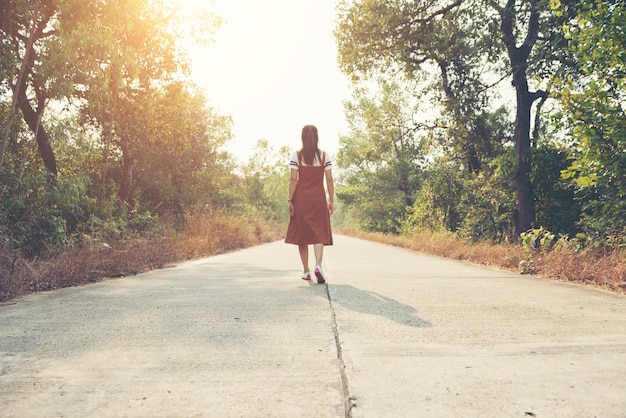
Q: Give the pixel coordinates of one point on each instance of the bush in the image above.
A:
(205, 233)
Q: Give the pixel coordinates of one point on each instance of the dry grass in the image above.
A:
(218, 233)
(202, 236)
(604, 269)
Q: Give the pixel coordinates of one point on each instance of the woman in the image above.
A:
(309, 221)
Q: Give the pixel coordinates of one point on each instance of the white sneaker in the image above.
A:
(306, 275)
(319, 274)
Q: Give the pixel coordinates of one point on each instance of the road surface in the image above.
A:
(393, 334)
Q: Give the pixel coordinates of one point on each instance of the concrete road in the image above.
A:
(394, 334)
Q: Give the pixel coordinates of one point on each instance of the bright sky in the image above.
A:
(273, 68)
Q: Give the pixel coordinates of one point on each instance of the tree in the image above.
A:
(373, 35)
(101, 87)
(382, 155)
(475, 204)
(519, 57)
(22, 26)
(90, 54)
(593, 96)
(437, 204)
(263, 182)
(170, 152)
(557, 208)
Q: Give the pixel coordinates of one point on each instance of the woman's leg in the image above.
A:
(319, 253)
(304, 256)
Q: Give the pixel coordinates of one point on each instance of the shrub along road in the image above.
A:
(395, 333)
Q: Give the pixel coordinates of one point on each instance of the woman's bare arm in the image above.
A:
(330, 186)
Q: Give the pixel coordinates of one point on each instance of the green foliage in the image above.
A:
(557, 206)
(170, 152)
(263, 187)
(536, 243)
(470, 44)
(380, 160)
(134, 141)
(592, 97)
(476, 206)
(373, 206)
(538, 239)
(37, 218)
(436, 207)
(116, 228)
(474, 177)
(487, 202)
(383, 172)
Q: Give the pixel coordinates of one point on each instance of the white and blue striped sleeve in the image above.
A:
(328, 164)
(293, 163)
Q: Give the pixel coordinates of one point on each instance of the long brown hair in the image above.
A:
(309, 145)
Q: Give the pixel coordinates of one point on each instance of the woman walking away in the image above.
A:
(309, 222)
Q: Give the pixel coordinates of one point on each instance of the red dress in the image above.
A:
(310, 223)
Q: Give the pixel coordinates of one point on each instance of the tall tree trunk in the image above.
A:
(19, 85)
(521, 136)
(106, 140)
(471, 157)
(126, 187)
(473, 162)
(32, 119)
(524, 217)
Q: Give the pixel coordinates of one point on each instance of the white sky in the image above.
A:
(273, 68)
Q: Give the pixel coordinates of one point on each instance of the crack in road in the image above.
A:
(348, 400)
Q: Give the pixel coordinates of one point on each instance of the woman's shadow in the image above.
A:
(373, 304)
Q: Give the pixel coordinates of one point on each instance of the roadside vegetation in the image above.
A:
(100, 258)
(563, 261)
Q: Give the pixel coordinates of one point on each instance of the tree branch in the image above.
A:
(533, 30)
(544, 96)
(440, 12)
(539, 94)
